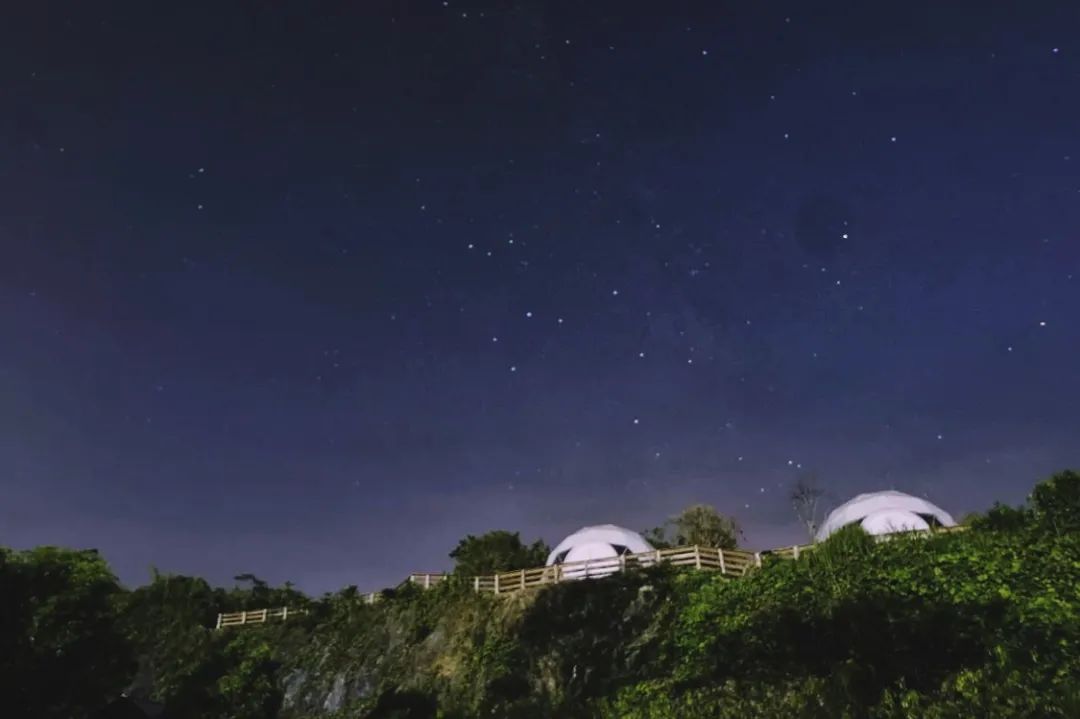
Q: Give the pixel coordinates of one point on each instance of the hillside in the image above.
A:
(979, 623)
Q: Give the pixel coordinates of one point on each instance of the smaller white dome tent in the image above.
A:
(885, 512)
(597, 543)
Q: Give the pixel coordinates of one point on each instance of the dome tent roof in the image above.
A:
(619, 539)
(897, 505)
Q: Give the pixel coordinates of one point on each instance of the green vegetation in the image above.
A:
(697, 524)
(497, 551)
(58, 627)
(981, 623)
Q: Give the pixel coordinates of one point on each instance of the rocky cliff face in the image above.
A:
(473, 655)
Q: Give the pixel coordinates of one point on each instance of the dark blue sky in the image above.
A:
(314, 292)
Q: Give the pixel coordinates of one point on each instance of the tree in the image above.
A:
(703, 525)
(249, 689)
(658, 537)
(806, 498)
(1000, 518)
(496, 551)
(1055, 502)
(63, 655)
(168, 621)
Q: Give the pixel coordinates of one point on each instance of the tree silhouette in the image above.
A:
(806, 496)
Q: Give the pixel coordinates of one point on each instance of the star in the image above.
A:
(528, 314)
(513, 368)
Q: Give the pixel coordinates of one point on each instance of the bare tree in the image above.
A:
(806, 498)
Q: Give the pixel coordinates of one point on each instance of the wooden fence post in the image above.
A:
(243, 617)
(657, 556)
(757, 558)
(622, 562)
(723, 568)
(219, 621)
(427, 581)
(795, 551)
(476, 584)
(284, 614)
(697, 557)
(265, 615)
(496, 583)
(522, 578)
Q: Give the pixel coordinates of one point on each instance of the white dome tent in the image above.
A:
(885, 512)
(596, 544)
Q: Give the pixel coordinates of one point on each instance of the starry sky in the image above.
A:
(312, 290)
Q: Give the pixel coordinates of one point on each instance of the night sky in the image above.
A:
(312, 290)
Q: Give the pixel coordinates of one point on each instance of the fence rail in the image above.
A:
(733, 562)
(256, 616)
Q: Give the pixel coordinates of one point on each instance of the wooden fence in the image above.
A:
(256, 616)
(732, 562)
